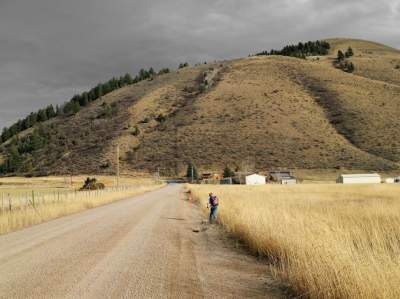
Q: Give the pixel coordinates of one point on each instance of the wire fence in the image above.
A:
(32, 198)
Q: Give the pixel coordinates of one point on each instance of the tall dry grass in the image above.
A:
(21, 209)
(326, 241)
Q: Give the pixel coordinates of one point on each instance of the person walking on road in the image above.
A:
(212, 204)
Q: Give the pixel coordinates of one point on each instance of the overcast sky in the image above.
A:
(52, 49)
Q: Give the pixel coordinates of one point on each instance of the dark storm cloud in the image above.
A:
(51, 49)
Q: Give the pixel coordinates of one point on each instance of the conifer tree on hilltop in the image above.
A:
(349, 52)
(301, 50)
(340, 56)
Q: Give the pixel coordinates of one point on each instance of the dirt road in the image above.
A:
(143, 247)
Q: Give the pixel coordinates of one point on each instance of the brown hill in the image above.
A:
(259, 112)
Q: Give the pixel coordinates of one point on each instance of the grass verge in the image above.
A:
(325, 241)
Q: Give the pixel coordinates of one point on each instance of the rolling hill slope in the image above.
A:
(262, 112)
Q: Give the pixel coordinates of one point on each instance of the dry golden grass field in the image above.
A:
(25, 202)
(323, 240)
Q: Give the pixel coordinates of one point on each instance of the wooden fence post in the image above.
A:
(33, 198)
(9, 202)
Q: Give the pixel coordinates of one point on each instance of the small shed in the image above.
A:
(368, 178)
(226, 181)
(389, 181)
(278, 175)
(255, 179)
(210, 176)
(289, 180)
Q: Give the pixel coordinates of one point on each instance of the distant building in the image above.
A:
(278, 175)
(389, 181)
(255, 179)
(226, 181)
(290, 180)
(369, 178)
(210, 176)
(240, 177)
(283, 177)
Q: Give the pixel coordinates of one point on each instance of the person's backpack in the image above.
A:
(214, 201)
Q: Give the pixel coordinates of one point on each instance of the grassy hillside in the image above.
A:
(262, 112)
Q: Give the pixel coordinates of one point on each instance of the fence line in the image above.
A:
(10, 202)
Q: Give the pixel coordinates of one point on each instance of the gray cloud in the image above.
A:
(51, 49)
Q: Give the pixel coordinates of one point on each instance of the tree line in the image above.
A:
(301, 50)
(20, 151)
(77, 102)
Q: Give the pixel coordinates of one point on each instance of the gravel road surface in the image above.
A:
(142, 247)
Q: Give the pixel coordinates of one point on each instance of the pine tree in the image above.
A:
(143, 75)
(59, 111)
(92, 95)
(98, 91)
(50, 111)
(71, 107)
(191, 172)
(28, 166)
(340, 56)
(106, 87)
(349, 52)
(164, 71)
(5, 135)
(36, 141)
(128, 79)
(183, 65)
(84, 99)
(228, 173)
(152, 73)
(76, 107)
(42, 115)
(349, 67)
(15, 160)
(108, 111)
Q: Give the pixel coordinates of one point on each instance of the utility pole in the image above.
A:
(117, 165)
(158, 174)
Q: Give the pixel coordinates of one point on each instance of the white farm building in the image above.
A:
(289, 180)
(369, 178)
(255, 179)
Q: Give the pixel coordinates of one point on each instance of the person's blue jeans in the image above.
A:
(213, 213)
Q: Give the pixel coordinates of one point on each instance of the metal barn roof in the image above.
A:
(362, 175)
(255, 174)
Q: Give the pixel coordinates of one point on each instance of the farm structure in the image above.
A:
(395, 180)
(290, 180)
(210, 178)
(255, 179)
(226, 181)
(369, 178)
(283, 177)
